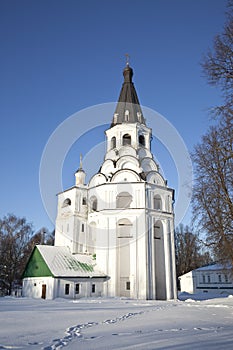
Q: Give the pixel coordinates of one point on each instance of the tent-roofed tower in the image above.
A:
(124, 215)
(133, 214)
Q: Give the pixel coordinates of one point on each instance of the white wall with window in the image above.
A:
(213, 278)
(76, 288)
(71, 208)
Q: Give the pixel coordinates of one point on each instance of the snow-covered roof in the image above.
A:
(64, 264)
(213, 267)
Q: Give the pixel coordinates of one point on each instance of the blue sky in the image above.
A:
(59, 57)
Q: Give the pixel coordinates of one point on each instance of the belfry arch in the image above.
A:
(124, 228)
(141, 140)
(159, 260)
(126, 140)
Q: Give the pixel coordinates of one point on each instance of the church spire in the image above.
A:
(80, 173)
(128, 109)
(80, 161)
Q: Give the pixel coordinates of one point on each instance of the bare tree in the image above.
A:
(15, 234)
(217, 64)
(189, 251)
(17, 241)
(42, 236)
(213, 188)
(213, 156)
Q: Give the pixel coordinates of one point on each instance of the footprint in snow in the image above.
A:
(207, 328)
(171, 330)
(122, 333)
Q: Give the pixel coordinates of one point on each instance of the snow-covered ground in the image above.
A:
(89, 324)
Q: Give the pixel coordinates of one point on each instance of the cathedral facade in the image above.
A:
(123, 218)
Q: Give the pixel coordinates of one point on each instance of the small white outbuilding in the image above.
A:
(214, 278)
(53, 272)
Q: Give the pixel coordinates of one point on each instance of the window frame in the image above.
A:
(113, 142)
(67, 288)
(77, 288)
(66, 202)
(141, 140)
(125, 197)
(93, 203)
(157, 202)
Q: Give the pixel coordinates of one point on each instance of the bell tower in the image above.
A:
(133, 216)
(124, 216)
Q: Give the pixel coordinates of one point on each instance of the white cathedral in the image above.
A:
(114, 236)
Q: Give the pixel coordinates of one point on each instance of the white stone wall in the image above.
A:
(85, 287)
(133, 129)
(218, 281)
(32, 287)
(70, 219)
(187, 283)
(207, 281)
(138, 261)
(56, 287)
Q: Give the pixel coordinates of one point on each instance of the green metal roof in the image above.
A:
(59, 262)
(36, 266)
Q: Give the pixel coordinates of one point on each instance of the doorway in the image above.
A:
(43, 294)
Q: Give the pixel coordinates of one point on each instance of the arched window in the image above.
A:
(91, 238)
(124, 236)
(123, 200)
(158, 230)
(141, 140)
(157, 202)
(93, 202)
(169, 207)
(126, 140)
(113, 142)
(127, 115)
(124, 228)
(66, 202)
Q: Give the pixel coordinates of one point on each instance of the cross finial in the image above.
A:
(127, 59)
(81, 161)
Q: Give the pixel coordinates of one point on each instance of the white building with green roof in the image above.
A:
(53, 272)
